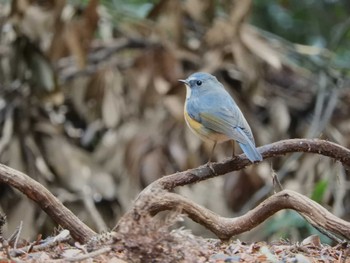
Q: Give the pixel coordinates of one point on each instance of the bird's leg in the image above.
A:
(210, 156)
(233, 149)
(212, 151)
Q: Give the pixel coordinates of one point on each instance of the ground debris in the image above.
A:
(278, 251)
(150, 239)
(182, 246)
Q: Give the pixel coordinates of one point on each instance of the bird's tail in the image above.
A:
(252, 153)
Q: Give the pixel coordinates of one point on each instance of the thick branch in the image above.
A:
(225, 228)
(201, 173)
(79, 231)
(150, 199)
(49, 203)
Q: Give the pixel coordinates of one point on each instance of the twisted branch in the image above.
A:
(156, 198)
(225, 228)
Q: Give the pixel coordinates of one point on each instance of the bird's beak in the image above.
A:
(184, 81)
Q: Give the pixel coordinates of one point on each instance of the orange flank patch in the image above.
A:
(193, 124)
(202, 132)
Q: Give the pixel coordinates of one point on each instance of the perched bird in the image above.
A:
(212, 114)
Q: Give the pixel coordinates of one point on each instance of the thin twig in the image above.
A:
(95, 214)
(18, 234)
(50, 242)
(88, 255)
(7, 129)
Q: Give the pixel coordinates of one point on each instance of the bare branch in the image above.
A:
(155, 197)
(49, 203)
(279, 148)
(150, 200)
(225, 228)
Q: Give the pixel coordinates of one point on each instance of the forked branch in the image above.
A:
(156, 197)
(150, 199)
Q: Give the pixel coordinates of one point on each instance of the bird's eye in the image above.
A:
(199, 82)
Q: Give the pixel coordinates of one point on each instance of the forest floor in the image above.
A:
(152, 241)
(212, 251)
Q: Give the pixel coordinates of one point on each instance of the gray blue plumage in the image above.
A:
(209, 104)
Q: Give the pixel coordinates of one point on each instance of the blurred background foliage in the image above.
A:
(90, 105)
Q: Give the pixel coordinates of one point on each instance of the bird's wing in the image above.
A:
(221, 124)
(221, 114)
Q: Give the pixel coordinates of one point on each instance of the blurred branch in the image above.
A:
(7, 130)
(155, 197)
(101, 52)
(47, 202)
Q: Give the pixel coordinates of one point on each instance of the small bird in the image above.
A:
(212, 114)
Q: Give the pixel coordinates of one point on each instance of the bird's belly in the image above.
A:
(204, 133)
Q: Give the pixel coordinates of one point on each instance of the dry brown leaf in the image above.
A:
(116, 260)
(201, 11)
(113, 105)
(39, 161)
(174, 105)
(279, 118)
(239, 188)
(88, 95)
(208, 194)
(136, 149)
(260, 47)
(152, 166)
(313, 240)
(192, 141)
(73, 37)
(219, 34)
(213, 60)
(112, 155)
(153, 75)
(15, 216)
(229, 32)
(248, 64)
(168, 17)
(161, 85)
(302, 259)
(79, 170)
(69, 253)
(177, 151)
(13, 156)
(36, 19)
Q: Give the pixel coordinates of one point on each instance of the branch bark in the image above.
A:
(225, 228)
(279, 148)
(47, 202)
(156, 198)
